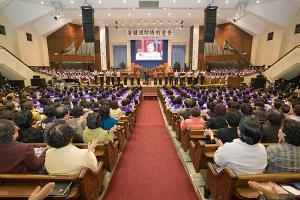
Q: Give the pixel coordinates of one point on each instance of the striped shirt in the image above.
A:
(283, 158)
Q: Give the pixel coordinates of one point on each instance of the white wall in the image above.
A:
(118, 37)
(33, 53)
(267, 52)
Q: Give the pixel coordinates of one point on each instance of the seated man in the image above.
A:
(16, 157)
(195, 122)
(63, 158)
(187, 112)
(271, 129)
(285, 157)
(219, 121)
(244, 155)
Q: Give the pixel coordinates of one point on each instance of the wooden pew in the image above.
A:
(121, 136)
(227, 185)
(87, 185)
(202, 153)
(192, 135)
(107, 153)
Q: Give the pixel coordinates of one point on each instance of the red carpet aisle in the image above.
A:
(149, 168)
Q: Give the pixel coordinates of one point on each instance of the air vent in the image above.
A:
(148, 4)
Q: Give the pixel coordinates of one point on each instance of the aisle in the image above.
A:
(150, 167)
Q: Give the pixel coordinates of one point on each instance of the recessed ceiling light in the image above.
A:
(99, 1)
(124, 1)
(129, 14)
(226, 1)
(164, 8)
(236, 14)
(174, 1)
(169, 14)
(190, 14)
(72, 2)
(109, 14)
(199, 1)
(149, 14)
(79, 15)
(42, 2)
(257, 1)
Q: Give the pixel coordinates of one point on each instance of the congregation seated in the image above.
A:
(271, 128)
(115, 110)
(15, 157)
(50, 112)
(218, 120)
(77, 123)
(244, 155)
(187, 112)
(194, 122)
(27, 133)
(296, 115)
(63, 158)
(285, 156)
(94, 130)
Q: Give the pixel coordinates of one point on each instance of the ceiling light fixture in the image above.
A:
(129, 14)
(99, 1)
(72, 2)
(190, 14)
(226, 1)
(199, 1)
(149, 14)
(169, 14)
(42, 2)
(124, 1)
(164, 8)
(257, 1)
(109, 14)
(174, 1)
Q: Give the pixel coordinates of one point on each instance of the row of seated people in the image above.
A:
(243, 118)
(58, 124)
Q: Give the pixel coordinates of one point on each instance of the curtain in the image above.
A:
(178, 55)
(120, 54)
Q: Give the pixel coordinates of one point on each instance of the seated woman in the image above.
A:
(107, 121)
(77, 123)
(115, 111)
(271, 128)
(27, 133)
(219, 121)
(194, 122)
(244, 155)
(285, 156)
(15, 157)
(93, 130)
(63, 158)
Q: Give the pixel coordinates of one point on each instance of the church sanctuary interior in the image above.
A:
(150, 99)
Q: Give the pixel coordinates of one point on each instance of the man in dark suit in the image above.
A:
(188, 106)
(271, 128)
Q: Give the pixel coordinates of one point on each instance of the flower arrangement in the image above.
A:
(164, 67)
(135, 67)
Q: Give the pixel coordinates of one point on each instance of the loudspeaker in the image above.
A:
(210, 20)
(88, 23)
(258, 82)
(41, 82)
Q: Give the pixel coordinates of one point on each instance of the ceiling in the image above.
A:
(251, 15)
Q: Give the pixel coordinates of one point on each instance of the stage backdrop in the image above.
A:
(149, 52)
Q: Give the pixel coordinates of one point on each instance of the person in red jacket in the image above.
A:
(171, 76)
(131, 77)
(138, 77)
(166, 75)
(155, 75)
(15, 157)
(160, 75)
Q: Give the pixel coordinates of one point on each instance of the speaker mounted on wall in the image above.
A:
(210, 21)
(88, 23)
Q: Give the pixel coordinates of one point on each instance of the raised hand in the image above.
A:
(41, 193)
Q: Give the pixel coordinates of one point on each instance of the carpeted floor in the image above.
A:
(149, 168)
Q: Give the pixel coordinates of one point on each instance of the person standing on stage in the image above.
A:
(147, 76)
(138, 77)
(176, 75)
(196, 77)
(190, 77)
(118, 74)
(112, 75)
(182, 77)
(101, 75)
(155, 75)
(160, 76)
(95, 74)
(166, 75)
(171, 76)
(107, 76)
(131, 77)
(125, 74)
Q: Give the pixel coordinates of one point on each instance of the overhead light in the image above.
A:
(109, 14)
(42, 2)
(169, 14)
(149, 14)
(236, 14)
(257, 1)
(124, 1)
(99, 1)
(199, 1)
(79, 15)
(164, 8)
(190, 14)
(129, 14)
(72, 2)
(174, 1)
(226, 1)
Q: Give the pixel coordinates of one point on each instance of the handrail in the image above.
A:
(2, 47)
(297, 46)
